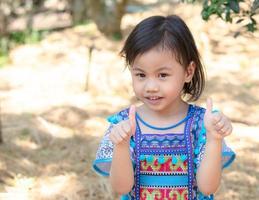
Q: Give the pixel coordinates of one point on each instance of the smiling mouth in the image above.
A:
(153, 98)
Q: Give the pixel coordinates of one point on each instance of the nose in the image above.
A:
(151, 86)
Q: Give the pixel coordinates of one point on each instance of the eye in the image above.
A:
(163, 75)
(140, 75)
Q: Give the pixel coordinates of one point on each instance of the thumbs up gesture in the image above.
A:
(216, 123)
(121, 132)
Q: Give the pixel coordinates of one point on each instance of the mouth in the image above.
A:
(153, 99)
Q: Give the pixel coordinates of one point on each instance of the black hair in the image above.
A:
(170, 33)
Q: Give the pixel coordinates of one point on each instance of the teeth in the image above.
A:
(153, 98)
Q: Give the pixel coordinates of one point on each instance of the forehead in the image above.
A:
(155, 58)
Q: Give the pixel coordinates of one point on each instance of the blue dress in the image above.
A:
(165, 164)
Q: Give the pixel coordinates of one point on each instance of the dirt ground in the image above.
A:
(52, 125)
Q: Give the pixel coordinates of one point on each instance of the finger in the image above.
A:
(217, 117)
(124, 134)
(231, 128)
(132, 118)
(224, 129)
(228, 131)
(125, 125)
(209, 105)
(120, 131)
(117, 137)
(220, 125)
(113, 139)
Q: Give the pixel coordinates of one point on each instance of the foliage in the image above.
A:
(232, 11)
(18, 37)
(107, 16)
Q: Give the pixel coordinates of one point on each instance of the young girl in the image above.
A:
(165, 148)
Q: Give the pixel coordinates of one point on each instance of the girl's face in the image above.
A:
(158, 79)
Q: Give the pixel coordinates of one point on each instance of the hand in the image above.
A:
(122, 131)
(217, 124)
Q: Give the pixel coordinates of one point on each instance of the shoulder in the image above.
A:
(198, 111)
(198, 115)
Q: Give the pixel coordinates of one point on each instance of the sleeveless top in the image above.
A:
(165, 164)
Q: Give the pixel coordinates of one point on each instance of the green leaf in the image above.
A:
(234, 5)
(205, 15)
(212, 9)
(251, 27)
(228, 17)
(117, 36)
(205, 4)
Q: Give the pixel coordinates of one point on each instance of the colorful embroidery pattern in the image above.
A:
(164, 164)
(172, 164)
(164, 194)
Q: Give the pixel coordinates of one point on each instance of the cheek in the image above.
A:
(136, 86)
(174, 86)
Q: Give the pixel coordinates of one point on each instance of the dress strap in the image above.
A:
(189, 114)
(188, 149)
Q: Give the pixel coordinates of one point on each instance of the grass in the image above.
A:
(46, 166)
(3, 60)
(25, 134)
(18, 38)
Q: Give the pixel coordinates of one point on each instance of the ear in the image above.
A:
(190, 72)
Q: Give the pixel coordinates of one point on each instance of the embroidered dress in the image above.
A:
(165, 164)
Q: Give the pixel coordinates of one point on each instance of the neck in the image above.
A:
(179, 109)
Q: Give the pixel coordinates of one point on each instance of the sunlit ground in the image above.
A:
(51, 126)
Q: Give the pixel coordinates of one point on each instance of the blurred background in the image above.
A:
(61, 76)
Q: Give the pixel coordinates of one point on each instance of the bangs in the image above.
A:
(157, 32)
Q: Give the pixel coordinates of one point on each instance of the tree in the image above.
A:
(35, 6)
(78, 10)
(5, 10)
(233, 11)
(107, 15)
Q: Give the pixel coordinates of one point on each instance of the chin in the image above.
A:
(156, 108)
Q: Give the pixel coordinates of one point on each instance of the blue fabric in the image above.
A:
(175, 180)
(125, 197)
(164, 128)
(102, 163)
(228, 155)
(101, 166)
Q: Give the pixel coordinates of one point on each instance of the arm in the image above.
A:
(121, 173)
(218, 126)
(209, 172)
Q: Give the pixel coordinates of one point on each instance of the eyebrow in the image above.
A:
(137, 69)
(159, 69)
(164, 68)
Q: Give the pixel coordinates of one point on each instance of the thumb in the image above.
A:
(209, 105)
(132, 118)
